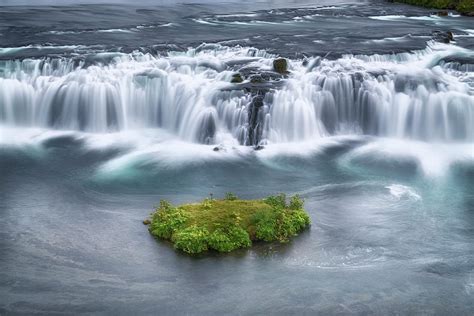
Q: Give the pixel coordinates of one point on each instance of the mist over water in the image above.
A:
(106, 108)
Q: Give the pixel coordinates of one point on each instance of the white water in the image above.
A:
(411, 95)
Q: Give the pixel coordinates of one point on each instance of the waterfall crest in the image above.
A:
(426, 95)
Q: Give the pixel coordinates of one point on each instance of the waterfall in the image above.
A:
(426, 95)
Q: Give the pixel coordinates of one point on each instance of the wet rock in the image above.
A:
(146, 222)
(260, 85)
(442, 13)
(442, 36)
(257, 101)
(280, 65)
(218, 148)
(260, 75)
(237, 78)
(450, 35)
(255, 128)
(259, 147)
(257, 79)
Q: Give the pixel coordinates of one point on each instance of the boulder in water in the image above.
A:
(237, 78)
(257, 79)
(442, 36)
(219, 148)
(442, 13)
(280, 65)
(146, 222)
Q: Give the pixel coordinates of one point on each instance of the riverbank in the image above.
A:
(465, 7)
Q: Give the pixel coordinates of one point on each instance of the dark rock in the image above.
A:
(442, 13)
(280, 65)
(237, 78)
(255, 126)
(218, 148)
(257, 79)
(259, 147)
(146, 222)
(250, 72)
(442, 37)
(260, 85)
(450, 35)
(257, 101)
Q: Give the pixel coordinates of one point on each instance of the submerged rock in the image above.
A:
(257, 79)
(280, 65)
(237, 78)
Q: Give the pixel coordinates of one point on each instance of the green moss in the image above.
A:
(228, 224)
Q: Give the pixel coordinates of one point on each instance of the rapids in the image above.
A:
(423, 95)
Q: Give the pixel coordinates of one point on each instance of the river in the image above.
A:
(106, 107)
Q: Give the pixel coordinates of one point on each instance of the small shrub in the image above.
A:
(192, 239)
(290, 222)
(276, 200)
(229, 196)
(296, 202)
(233, 238)
(265, 224)
(166, 220)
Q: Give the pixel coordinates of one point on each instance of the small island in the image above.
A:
(227, 224)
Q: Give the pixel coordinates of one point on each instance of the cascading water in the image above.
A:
(109, 106)
(426, 95)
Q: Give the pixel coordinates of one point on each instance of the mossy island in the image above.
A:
(224, 225)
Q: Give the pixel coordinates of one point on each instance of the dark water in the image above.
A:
(393, 217)
(291, 28)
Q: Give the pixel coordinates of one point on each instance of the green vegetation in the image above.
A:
(228, 224)
(463, 6)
